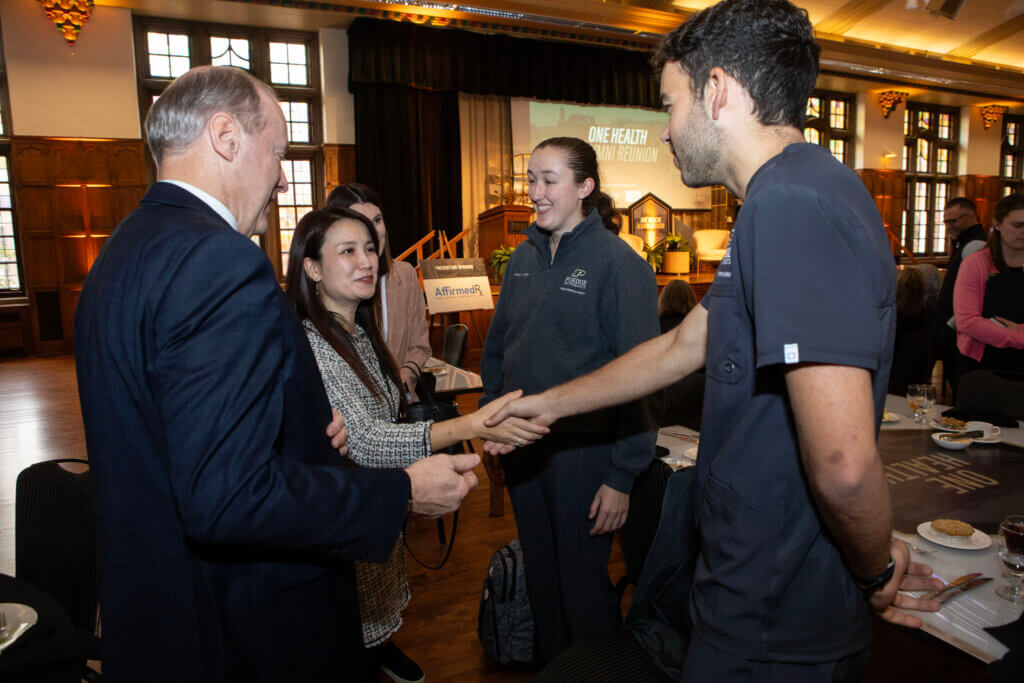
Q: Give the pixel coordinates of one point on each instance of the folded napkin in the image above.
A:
(967, 414)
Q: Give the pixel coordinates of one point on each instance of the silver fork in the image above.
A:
(919, 551)
(3, 624)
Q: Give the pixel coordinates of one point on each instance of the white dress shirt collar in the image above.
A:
(209, 200)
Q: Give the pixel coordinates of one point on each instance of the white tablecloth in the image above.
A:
(899, 406)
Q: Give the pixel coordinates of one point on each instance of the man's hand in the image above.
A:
(907, 576)
(610, 508)
(440, 483)
(409, 378)
(535, 408)
(338, 433)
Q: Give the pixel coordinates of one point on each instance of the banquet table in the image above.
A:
(980, 485)
(450, 381)
(51, 651)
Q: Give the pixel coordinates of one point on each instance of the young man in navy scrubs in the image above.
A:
(796, 332)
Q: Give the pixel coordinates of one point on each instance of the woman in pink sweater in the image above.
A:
(988, 299)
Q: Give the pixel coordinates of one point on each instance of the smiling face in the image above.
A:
(695, 142)
(557, 197)
(259, 161)
(372, 212)
(347, 268)
(1011, 231)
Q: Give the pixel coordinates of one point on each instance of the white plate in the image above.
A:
(995, 438)
(952, 444)
(977, 541)
(888, 416)
(938, 425)
(20, 618)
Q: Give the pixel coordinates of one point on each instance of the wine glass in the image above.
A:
(921, 398)
(1011, 552)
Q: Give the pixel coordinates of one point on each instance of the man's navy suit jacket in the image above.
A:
(227, 523)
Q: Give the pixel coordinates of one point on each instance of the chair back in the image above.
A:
(454, 344)
(641, 525)
(710, 240)
(992, 391)
(684, 402)
(55, 537)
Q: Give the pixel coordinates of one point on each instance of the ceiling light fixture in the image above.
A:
(68, 16)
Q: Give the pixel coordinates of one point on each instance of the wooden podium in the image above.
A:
(502, 225)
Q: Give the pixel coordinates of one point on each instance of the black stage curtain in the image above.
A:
(453, 60)
(406, 78)
(408, 150)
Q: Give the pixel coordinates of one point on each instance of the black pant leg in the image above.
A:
(535, 526)
(590, 602)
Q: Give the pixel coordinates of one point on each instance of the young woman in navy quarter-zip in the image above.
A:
(574, 296)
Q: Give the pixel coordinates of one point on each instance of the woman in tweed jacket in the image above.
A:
(332, 281)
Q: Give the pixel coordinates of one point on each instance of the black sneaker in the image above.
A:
(397, 666)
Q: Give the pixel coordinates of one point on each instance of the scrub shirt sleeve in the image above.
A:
(630, 317)
(807, 282)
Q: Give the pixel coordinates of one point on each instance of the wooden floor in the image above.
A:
(40, 419)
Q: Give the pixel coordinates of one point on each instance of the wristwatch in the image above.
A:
(869, 586)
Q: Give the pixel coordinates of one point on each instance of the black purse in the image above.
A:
(430, 409)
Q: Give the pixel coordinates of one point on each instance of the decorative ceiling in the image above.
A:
(977, 50)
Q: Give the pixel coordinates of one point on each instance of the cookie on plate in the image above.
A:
(954, 529)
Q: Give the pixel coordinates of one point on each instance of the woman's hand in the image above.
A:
(610, 508)
(1008, 324)
(409, 379)
(513, 431)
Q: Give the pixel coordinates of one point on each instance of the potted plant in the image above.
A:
(677, 254)
(655, 254)
(499, 261)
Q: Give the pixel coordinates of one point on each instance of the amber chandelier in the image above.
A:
(68, 16)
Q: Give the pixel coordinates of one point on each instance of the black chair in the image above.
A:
(642, 522)
(55, 542)
(55, 537)
(684, 402)
(609, 657)
(995, 391)
(454, 344)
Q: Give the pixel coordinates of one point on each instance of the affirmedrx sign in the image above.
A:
(456, 284)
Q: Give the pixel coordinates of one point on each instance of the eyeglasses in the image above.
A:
(950, 221)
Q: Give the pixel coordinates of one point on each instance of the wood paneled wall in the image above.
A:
(983, 190)
(888, 189)
(69, 196)
(339, 166)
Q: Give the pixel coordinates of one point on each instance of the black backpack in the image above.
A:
(505, 621)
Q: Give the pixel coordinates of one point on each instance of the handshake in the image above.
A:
(441, 482)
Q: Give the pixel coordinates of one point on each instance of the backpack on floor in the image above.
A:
(505, 621)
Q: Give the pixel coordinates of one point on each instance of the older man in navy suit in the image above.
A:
(227, 522)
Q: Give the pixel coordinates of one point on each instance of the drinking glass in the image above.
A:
(921, 398)
(1011, 552)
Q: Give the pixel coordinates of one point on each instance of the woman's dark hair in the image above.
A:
(1006, 206)
(910, 290)
(582, 159)
(344, 196)
(308, 242)
(766, 45)
(676, 297)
